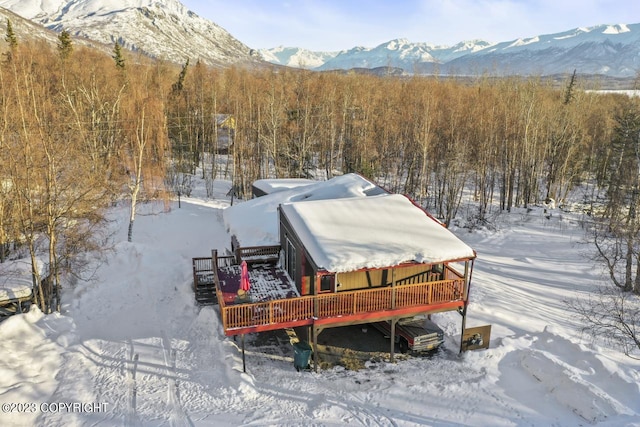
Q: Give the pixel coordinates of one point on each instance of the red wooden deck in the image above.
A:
(341, 308)
(273, 302)
(268, 282)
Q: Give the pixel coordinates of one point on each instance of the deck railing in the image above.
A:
(224, 260)
(202, 271)
(257, 253)
(302, 309)
(202, 264)
(451, 274)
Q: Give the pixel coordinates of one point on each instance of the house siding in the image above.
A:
(305, 269)
(355, 280)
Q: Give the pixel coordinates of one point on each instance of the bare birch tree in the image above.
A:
(144, 144)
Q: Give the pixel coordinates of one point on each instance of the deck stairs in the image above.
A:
(206, 294)
(204, 286)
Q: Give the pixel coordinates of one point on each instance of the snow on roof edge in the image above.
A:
(255, 222)
(350, 234)
(273, 185)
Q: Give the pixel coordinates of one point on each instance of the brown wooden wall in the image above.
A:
(376, 278)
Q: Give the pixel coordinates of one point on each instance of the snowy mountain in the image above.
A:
(25, 29)
(401, 53)
(161, 29)
(168, 30)
(296, 57)
(612, 50)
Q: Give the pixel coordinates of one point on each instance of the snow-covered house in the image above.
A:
(342, 245)
(341, 252)
(225, 125)
(255, 222)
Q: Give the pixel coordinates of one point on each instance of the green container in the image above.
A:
(301, 355)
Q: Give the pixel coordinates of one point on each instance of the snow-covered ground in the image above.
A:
(132, 348)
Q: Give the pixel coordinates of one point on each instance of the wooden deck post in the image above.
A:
(244, 365)
(393, 289)
(316, 331)
(464, 325)
(393, 338)
(466, 281)
(316, 314)
(394, 319)
(468, 270)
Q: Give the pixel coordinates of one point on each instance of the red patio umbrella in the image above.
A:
(244, 277)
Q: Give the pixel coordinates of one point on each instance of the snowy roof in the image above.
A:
(14, 290)
(269, 186)
(373, 232)
(15, 280)
(255, 222)
(223, 119)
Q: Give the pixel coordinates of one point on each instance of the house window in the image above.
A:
(290, 259)
(436, 272)
(327, 282)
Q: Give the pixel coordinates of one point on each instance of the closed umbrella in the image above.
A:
(244, 277)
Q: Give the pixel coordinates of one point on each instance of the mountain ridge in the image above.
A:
(167, 30)
(609, 49)
(160, 29)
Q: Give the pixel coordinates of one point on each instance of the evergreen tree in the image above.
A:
(10, 37)
(117, 56)
(177, 86)
(568, 93)
(617, 241)
(65, 46)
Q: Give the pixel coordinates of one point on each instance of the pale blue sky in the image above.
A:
(331, 25)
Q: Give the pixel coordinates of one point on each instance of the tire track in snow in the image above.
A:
(151, 383)
(367, 417)
(131, 365)
(363, 409)
(178, 416)
(370, 415)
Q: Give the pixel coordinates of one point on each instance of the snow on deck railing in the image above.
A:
(257, 253)
(202, 264)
